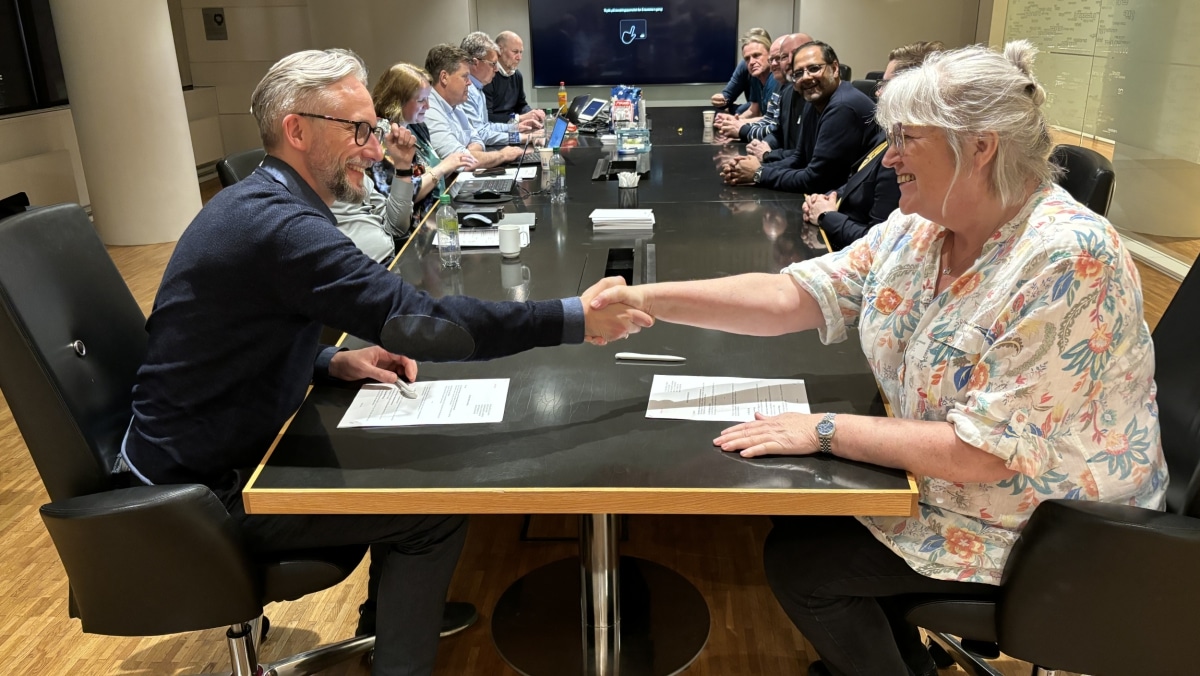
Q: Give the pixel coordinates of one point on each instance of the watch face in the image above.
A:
(825, 427)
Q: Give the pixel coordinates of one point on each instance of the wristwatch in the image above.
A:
(404, 173)
(757, 176)
(825, 430)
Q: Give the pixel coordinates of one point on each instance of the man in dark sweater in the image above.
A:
(506, 92)
(233, 339)
(837, 127)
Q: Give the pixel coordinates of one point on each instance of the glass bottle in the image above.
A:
(562, 97)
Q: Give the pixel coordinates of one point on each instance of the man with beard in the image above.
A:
(780, 62)
(837, 127)
(232, 340)
(506, 92)
(786, 135)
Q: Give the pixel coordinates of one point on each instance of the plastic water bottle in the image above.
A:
(558, 175)
(562, 96)
(447, 225)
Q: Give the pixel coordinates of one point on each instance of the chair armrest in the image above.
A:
(1080, 567)
(153, 560)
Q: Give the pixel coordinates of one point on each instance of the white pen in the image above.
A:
(638, 356)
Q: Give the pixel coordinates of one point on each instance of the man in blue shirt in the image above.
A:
(450, 130)
(233, 340)
(481, 68)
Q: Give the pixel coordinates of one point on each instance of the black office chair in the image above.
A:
(1132, 608)
(844, 71)
(874, 75)
(141, 560)
(866, 86)
(1087, 175)
(237, 166)
(14, 204)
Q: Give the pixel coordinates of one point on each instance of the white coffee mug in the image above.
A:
(512, 238)
(709, 117)
(544, 155)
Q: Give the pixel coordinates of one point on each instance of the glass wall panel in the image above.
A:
(1123, 77)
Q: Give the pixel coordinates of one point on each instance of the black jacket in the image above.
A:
(784, 139)
(868, 198)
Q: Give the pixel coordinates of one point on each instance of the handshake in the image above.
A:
(612, 311)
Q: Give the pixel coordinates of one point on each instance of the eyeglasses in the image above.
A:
(895, 137)
(362, 130)
(811, 69)
(777, 58)
(494, 64)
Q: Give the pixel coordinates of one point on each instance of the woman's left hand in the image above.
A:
(785, 434)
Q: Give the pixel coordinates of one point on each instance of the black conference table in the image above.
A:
(575, 439)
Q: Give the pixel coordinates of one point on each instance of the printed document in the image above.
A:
(438, 402)
(724, 399)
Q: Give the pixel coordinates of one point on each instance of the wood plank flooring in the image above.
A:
(720, 555)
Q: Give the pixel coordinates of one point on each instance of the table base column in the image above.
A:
(538, 627)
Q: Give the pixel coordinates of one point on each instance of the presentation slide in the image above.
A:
(590, 42)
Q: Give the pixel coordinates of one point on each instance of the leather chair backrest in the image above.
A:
(72, 338)
(844, 72)
(865, 86)
(874, 75)
(1177, 374)
(239, 165)
(14, 204)
(1087, 175)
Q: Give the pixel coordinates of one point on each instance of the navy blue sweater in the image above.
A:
(830, 142)
(234, 330)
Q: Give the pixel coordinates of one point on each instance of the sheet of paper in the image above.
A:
(527, 173)
(438, 402)
(724, 399)
(475, 238)
(522, 218)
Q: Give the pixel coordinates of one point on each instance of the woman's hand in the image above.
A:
(785, 434)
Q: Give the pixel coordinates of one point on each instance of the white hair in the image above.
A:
(974, 90)
(300, 81)
(478, 44)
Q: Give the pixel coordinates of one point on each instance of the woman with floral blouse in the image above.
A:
(1002, 319)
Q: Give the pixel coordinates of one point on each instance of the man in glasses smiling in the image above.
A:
(837, 127)
(232, 342)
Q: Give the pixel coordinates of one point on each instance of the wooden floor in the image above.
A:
(720, 555)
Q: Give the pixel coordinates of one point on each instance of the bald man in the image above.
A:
(506, 92)
(786, 134)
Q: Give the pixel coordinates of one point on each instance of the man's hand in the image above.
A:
(535, 114)
(740, 171)
(459, 161)
(401, 145)
(528, 125)
(729, 125)
(611, 320)
(719, 101)
(510, 153)
(757, 148)
(372, 362)
(817, 204)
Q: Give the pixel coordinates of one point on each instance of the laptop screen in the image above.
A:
(560, 130)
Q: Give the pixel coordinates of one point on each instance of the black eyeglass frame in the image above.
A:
(362, 129)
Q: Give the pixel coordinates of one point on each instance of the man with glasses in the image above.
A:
(450, 130)
(837, 127)
(481, 68)
(785, 136)
(506, 92)
(232, 342)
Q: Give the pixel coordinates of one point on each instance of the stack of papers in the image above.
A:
(475, 238)
(622, 219)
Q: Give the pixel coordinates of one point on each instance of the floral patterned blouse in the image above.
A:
(1037, 354)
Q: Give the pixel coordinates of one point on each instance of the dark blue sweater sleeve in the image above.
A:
(321, 274)
(739, 83)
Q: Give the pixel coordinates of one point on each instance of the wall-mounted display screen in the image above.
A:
(595, 42)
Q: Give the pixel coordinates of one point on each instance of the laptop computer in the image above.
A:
(560, 130)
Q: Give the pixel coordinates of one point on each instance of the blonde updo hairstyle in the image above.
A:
(970, 91)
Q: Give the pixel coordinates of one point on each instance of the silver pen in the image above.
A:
(638, 356)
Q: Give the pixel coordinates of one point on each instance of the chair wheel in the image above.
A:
(941, 658)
